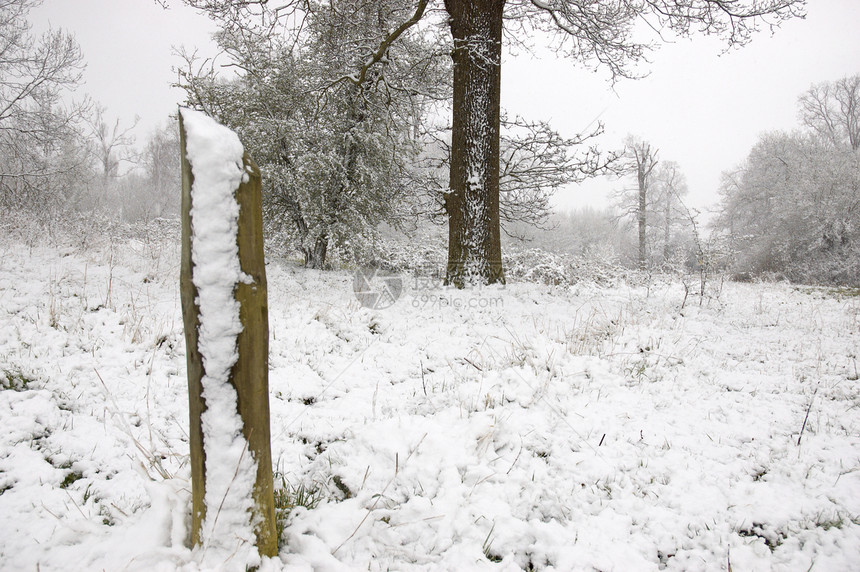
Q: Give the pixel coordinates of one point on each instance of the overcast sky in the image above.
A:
(699, 107)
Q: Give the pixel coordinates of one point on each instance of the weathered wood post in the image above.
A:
(224, 308)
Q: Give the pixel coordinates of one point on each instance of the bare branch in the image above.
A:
(377, 56)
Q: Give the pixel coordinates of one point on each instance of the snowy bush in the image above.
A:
(412, 258)
(599, 264)
(536, 265)
(85, 230)
(593, 265)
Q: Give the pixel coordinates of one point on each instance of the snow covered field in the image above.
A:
(526, 427)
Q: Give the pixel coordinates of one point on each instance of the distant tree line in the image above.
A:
(792, 207)
(790, 210)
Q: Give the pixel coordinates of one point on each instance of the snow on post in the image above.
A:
(223, 287)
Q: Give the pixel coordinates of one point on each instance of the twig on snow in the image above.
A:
(806, 418)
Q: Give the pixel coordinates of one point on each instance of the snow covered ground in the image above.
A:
(526, 427)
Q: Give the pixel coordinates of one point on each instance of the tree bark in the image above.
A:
(644, 159)
(667, 224)
(472, 200)
(315, 255)
(641, 176)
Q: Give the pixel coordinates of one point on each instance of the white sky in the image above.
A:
(700, 108)
(127, 45)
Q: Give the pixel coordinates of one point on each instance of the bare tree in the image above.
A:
(112, 142)
(669, 186)
(161, 171)
(832, 110)
(640, 161)
(38, 135)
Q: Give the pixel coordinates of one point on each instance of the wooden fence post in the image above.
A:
(249, 374)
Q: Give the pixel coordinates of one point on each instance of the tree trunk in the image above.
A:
(640, 214)
(315, 255)
(472, 201)
(667, 224)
